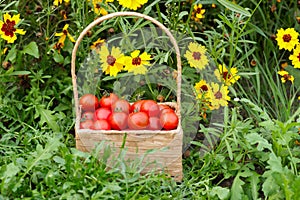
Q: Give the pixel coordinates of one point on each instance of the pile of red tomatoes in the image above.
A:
(113, 113)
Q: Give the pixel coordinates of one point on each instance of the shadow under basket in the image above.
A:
(165, 147)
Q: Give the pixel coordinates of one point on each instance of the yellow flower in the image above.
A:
(7, 28)
(63, 35)
(97, 44)
(98, 7)
(196, 55)
(112, 63)
(287, 39)
(132, 4)
(137, 62)
(201, 89)
(295, 57)
(57, 2)
(228, 77)
(218, 96)
(299, 98)
(286, 76)
(199, 11)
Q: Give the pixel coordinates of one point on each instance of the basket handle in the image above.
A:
(117, 14)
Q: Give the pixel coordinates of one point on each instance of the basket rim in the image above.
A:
(120, 14)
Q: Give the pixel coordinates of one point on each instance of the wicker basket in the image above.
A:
(167, 145)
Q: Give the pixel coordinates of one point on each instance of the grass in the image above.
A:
(246, 150)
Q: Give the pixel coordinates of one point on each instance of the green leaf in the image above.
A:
(11, 170)
(254, 138)
(254, 185)
(275, 163)
(16, 73)
(270, 186)
(237, 189)
(222, 193)
(234, 7)
(47, 116)
(12, 54)
(58, 58)
(32, 49)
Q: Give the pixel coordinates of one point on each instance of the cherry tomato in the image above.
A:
(138, 121)
(102, 113)
(121, 105)
(154, 124)
(169, 120)
(150, 107)
(163, 106)
(136, 106)
(118, 120)
(87, 115)
(86, 124)
(101, 124)
(88, 102)
(107, 100)
(166, 110)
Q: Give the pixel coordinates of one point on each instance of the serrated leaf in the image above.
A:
(113, 187)
(254, 138)
(270, 186)
(254, 185)
(11, 170)
(47, 116)
(275, 163)
(234, 7)
(32, 49)
(237, 189)
(222, 193)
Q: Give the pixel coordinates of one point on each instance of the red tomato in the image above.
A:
(154, 123)
(101, 124)
(118, 120)
(86, 124)
(107, 100)
(163, 106)
(166, 110)
(136, 106)
(102, 113)
(88, 102)
(150, 107)
(138, 121)
(87, 115)
(169, 120)
(121, 105)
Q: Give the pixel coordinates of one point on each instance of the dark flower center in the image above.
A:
(98, 6)
(204, 88)
(287, 37)
(226, 75)
(198, 10)
(9, 28)
(136, 61)
(110, 60)
(286, 77)
(218, 95)
(65, 32)
(196, 55)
